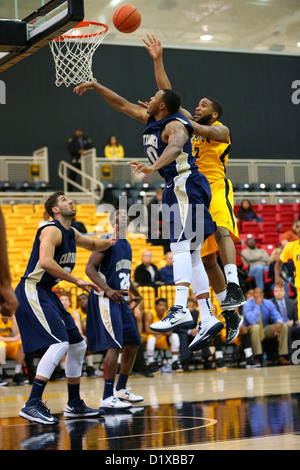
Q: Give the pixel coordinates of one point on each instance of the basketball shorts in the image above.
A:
(222, 212)
(109, 325)
(42, 319)
(186, 200)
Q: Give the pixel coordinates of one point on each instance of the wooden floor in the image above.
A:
(203, 410)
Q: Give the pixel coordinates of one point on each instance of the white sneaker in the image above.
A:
(113, 403)
(125, 394)
(176, 317)
(207, 329)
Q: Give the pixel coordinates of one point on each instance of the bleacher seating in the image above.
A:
(22, 222)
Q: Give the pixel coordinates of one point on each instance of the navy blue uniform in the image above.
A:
(187, 191)
(108, 324)
(41, 317)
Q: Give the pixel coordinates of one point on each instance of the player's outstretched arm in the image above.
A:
(116, 101)
(154, 47)
(95, 244)
(219, 132)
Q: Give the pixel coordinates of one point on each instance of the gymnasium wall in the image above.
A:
(255, 89)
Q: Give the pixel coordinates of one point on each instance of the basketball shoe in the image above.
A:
(233, 323)
(126, 395)
(234, 297)
(79, 409)
(207, 330)
(176, 317)
(38, 413)
(113, 404)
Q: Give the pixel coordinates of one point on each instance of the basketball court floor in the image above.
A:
(234, 409)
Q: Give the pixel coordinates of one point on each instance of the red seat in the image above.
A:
(249, 227)
(285, 208)
(269, 238)
(267, 227)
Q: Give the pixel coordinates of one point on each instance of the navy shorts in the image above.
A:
(109, 325)
(42, 319)
(185, 210)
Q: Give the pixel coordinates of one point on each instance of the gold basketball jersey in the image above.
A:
(211, 156)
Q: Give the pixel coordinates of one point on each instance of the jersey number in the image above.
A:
(152, 154)
(124, 281)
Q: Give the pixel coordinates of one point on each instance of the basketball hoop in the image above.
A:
(73, 52)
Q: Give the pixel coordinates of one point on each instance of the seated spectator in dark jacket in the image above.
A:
(166, 273)
(147, 274)
(246, 212)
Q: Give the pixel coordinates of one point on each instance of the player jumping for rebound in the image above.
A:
(167, 143)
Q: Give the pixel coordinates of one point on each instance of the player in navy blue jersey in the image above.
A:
(110, 322)
(186, 199)
(44, 324)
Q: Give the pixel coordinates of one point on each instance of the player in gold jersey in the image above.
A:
(211, 145)
(290, 251)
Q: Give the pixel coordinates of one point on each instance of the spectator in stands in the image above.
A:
(77, 145)
(11, 348)
(157, 230)
(246, 212)
(257, 259)
(46, 219)
(165, 341)
(289, 235)
(82, 300)
(166, 273)
(113, 150)
(146, 273)
(186, 335)
(8, 299)
(241, 341)
(263, 321)
(288, 310)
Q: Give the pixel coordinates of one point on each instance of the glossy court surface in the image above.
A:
(257, 409)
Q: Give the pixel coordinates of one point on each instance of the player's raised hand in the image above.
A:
(153, 46)
(80, 89)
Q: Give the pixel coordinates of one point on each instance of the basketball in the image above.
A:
(127, 18)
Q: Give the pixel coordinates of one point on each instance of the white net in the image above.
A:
(73, 53)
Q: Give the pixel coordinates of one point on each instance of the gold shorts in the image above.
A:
(222, 212)
(11, 348)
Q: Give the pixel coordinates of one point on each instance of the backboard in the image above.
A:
(41, 23)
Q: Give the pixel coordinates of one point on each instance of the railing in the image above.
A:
(96, 190)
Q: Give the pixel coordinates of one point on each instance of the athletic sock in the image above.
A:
(231, 273)
(73, 391)
(181, 296)
(205, 310)
(37, 391)
(122, 382)
(108, 389)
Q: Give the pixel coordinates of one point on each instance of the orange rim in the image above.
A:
(85, 24)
